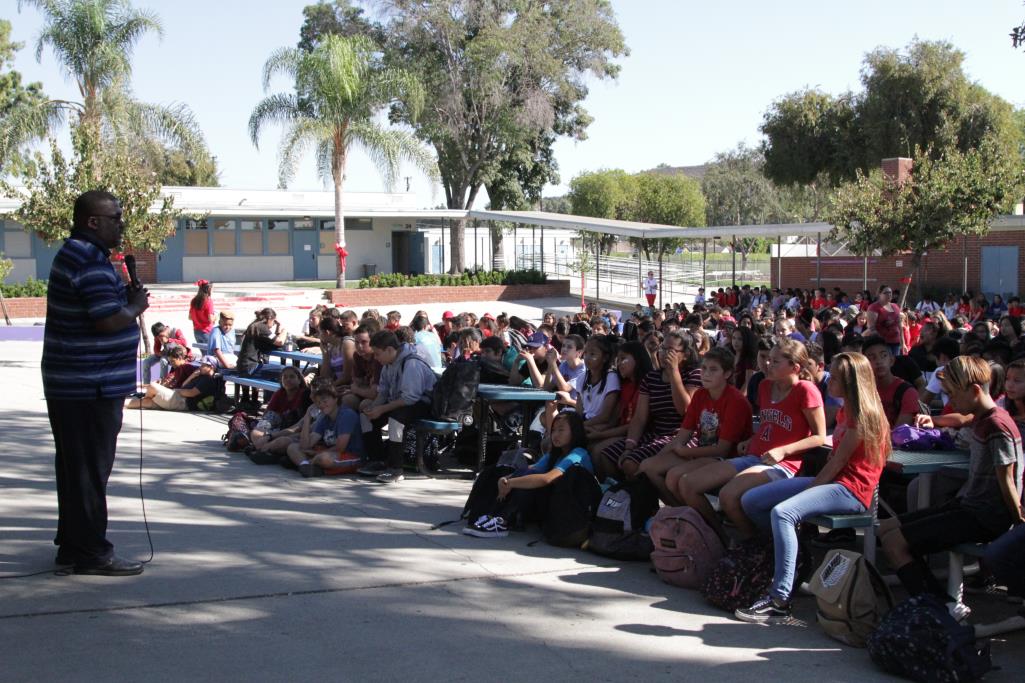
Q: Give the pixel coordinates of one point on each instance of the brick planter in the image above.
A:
(393, 296)
(26, 307)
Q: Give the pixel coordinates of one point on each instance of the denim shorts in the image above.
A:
(774, 473)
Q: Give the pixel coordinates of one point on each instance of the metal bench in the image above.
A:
(437, 428)
(956, 569)
(867, 521)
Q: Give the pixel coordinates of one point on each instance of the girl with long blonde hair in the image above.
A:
(845, 485)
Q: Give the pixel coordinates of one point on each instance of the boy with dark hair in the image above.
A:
(899, 398)
(990, 501)
(945, 349)
(817, 368)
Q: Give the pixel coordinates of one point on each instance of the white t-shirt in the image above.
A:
(594, 396)
(935, 387)
(650, 285)
(950, 310)
(927, 306)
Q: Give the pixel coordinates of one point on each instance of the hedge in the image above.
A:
(468, 278)
(30, 287)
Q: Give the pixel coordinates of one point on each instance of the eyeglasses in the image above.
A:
(115, 217)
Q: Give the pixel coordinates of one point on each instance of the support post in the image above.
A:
(443, 245)
(864, 275)
(818, 261)
(734, 250)
(661, 280)
(516, 236)
(475, 244)
(704, 262)
(779, 261)
(533, 247)
(542, 250)
(640, 274)
(964, 263)
(597, 271)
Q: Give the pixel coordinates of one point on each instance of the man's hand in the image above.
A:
(138, 299)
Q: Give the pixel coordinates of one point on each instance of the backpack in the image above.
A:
(237, 437)
(919, 640)
(571, 507)
(851, 596)
(742, 575)
(618, 527)
(686, 548)
(455, 393)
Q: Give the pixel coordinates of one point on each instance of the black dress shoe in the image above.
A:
(115, 566)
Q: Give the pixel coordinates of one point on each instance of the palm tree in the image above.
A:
(93, 41)
(339, 89)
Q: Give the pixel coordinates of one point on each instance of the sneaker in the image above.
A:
(372, 469)
(263, 457)
(765, 611)
(470, 525)
(490, 527)
(309, 469)
(391, 476)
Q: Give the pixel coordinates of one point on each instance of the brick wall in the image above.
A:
(941, 269)
(26, 307)
(145, 265)
(391, 296)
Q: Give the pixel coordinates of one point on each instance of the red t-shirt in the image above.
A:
(176, 336)
(819, 303)
(727, 418)
(908, 402)
(731, 300)
(281, 404)
(203, 318)
(888, 322)
(860, 475)
(627, 401)
(784, 422)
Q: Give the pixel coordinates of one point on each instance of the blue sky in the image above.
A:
(698, 80)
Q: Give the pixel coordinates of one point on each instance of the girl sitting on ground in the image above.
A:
(791, 421)
(633, 363)
(286, 407)
(665, 394)
(335, 443)
(525, 495)
(717, 420)
(845, 485)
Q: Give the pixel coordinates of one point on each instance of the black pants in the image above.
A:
(85, 435)
(406, 415)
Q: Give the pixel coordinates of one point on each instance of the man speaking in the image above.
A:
(90, 347)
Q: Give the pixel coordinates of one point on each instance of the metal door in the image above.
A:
(417, 245)
(305, 247)
(999, 271)
(169, 261)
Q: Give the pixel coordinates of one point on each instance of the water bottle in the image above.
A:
(289, 344)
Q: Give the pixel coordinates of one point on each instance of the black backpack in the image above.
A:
(571, 507)
(455, 393)
(618, 527)
(918, 639)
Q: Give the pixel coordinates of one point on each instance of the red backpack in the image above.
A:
(686, 548)
(236, 439)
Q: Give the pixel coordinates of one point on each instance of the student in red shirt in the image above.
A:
(899, 398)
(1014, 307)
(717, 420)
(884, 320)
(201, 312)
(845, 484)
(820, 301)
(792, 421)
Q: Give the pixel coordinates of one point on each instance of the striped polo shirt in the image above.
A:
(80, 362)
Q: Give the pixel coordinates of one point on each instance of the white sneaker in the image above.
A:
(391, 476)
(959, 611)
(491, 527)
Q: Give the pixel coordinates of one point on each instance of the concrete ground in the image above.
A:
(259, 574)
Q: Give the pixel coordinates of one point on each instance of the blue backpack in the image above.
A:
(918, 639)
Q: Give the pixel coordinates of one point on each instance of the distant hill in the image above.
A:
(695, 172)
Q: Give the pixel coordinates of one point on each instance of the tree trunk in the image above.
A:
(146, 346)
(456, 245)
(497, 246)
(338, 173)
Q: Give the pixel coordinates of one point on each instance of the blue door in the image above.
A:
(169, 261)
(417, 245)
(44, 254)
(305, 247)
(999, 271)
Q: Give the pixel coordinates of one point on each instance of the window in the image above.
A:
(250, 238)
(277, 237)
(196, 243)
(327, 229)
(224, 236)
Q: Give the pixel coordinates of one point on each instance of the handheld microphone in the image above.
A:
(133, 275)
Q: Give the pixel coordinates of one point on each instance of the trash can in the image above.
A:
(369, 269)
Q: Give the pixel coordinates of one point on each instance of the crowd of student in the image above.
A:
(728, 396)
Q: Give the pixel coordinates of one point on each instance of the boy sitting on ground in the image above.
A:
(197, 385)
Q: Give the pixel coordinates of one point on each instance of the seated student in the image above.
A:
(531, 362)
(403, 397)
(222, 342)
(792, 421)
(366, 371)
(990, 501)
(427, 341)
(565, 375)
(264, 334)
(393, 321)
(337, 348)
(286, 407)
(633, 363)
(335, 443)
(946, 349)
(820, 376)
(599, 390)
(525, 495)
(309, 340)
(492, 371)
(664, 395)
(1004, 558)
(192, 385)
(899, 399)
(164, 338)
(845, 485)
(762, 367)
(467, 348)
(719, 417)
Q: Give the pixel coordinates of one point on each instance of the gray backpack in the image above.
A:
(851, 595)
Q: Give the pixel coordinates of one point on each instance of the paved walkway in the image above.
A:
(262, 575)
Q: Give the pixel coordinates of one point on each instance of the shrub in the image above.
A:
(476, 277)
(30, 287)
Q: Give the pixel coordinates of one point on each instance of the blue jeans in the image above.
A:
(789, 502)
(1005, 557)
(201, 337)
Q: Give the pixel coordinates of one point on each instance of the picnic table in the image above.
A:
(925, 464)
(297, 357)
(487, 394)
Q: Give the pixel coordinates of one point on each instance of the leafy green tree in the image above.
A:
(917, 98)
(175, 167)
(668, 199)
(946, 197)
(93, 41)
(500, 74)
(339, 88)
(603, 194)
(338, 18)
(14, 95)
